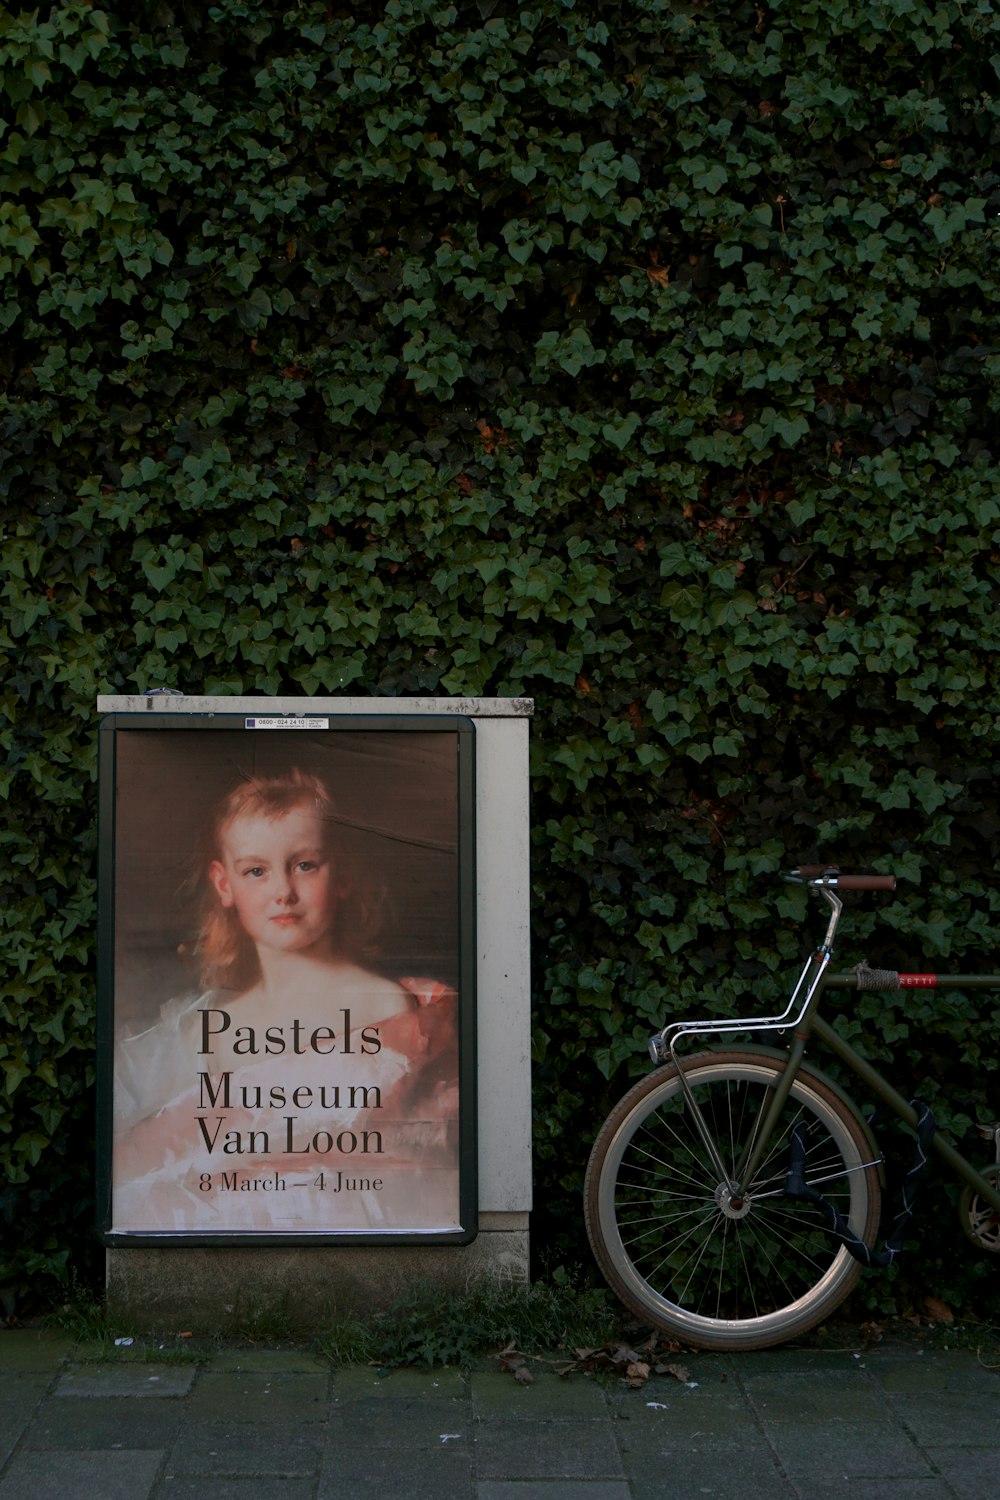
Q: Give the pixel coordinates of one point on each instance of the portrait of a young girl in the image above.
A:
(299, 1085)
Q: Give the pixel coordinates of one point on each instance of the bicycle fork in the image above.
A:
(754, 1149)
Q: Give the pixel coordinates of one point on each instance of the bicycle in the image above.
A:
(733, 1197)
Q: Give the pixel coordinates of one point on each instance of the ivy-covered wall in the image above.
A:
(640, 358)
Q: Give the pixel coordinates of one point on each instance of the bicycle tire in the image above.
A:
(980, 1222)
(686, 1261)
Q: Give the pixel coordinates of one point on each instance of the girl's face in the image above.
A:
(276, 873)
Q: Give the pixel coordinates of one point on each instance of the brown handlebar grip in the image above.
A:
(865, 882)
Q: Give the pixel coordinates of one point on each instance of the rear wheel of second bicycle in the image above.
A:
(715, 1270)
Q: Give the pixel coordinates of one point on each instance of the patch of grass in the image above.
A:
(83, 1318)
(101, 1338)
(348, 1341)
(428, 1327)
(260, 1320)
(101, 1334)
(911, 1332)
(983, 1338)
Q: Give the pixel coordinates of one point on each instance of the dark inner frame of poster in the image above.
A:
(172, 1127)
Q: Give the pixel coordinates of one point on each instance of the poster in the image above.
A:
(286, 978)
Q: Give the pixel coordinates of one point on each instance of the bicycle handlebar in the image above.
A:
(830, 876)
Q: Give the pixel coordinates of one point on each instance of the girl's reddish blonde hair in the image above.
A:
(227, 957)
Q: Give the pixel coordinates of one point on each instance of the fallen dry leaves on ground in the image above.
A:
(634, 1366)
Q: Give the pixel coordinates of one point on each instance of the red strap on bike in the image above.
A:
(918, 981)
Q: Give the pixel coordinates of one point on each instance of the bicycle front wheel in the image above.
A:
(715, 1270)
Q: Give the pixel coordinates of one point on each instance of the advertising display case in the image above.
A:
(287, 979)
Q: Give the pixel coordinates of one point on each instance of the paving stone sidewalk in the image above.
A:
(278, 1424)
